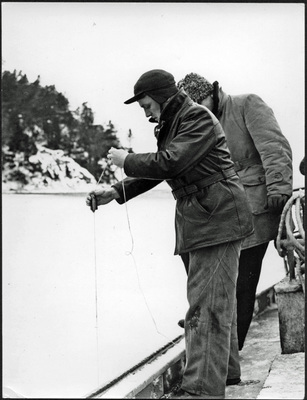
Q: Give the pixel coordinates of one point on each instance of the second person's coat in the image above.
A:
(262, 157)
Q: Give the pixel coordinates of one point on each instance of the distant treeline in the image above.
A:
(32, 115)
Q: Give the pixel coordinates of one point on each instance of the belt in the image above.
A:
(202, 183)
(246, 162)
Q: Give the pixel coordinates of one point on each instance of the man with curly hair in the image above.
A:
(263, 159)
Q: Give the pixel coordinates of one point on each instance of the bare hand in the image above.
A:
(117, 156)
(103, 195)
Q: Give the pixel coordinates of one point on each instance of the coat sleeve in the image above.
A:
(273, 147)
(131, 187)
(194, 139)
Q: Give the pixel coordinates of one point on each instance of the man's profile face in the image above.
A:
(150, 107)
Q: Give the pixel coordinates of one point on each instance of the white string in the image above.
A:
(101, 175)
(130, 253)
(96, 289)
(137, 274)
(96, 306)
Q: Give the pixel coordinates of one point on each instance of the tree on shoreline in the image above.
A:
(34, 115)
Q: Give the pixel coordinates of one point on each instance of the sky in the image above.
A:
(95, 52)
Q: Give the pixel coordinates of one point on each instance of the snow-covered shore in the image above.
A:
(48, 171)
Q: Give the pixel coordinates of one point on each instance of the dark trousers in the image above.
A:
(249, 272)
(250, 263)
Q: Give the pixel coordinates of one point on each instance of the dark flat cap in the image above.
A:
(158, 82)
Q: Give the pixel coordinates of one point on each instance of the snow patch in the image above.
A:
(46, 171)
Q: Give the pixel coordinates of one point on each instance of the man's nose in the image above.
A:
(147, 113)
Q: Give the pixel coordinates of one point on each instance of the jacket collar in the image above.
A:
(173, 106)
(222, 100)
(169, 111)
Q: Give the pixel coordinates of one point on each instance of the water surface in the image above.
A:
(52, 245)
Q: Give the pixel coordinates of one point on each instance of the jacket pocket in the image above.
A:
(214, 199)
(194, 212)
(202, 209)
(256, 193)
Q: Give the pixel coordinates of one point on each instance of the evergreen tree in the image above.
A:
(32, 115)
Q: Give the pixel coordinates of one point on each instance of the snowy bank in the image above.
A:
(48, 171)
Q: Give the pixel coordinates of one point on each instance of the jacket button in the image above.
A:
(277, 175)
(261, 179)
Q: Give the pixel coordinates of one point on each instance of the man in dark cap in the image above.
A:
(212, 217)
(263, 160)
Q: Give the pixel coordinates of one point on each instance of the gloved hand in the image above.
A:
(276, 202)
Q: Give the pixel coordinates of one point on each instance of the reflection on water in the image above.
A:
(49, 310)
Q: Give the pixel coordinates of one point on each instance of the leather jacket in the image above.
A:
(192, 151)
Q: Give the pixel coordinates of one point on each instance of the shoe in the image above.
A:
(233, 381)
(181, 323)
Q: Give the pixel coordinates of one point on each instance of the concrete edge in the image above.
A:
(155, 379)
(151, 380)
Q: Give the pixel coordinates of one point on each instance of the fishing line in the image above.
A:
(175, 341)
(96, 305)
(94, 207)
(130, 253)
(136, 268)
